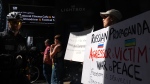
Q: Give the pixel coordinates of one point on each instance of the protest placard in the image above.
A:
(76, 45)
(119, 54)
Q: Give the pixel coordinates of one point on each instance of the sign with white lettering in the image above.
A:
(119, 54)
(76, 45)
(36, 15)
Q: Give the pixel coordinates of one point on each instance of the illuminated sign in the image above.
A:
(34, 15)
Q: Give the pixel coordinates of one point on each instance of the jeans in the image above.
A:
(47, 71)
(57, 73)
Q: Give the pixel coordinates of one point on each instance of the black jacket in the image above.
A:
(10, 44)
(11, 48)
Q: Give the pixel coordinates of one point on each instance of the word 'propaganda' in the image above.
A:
(135, 29)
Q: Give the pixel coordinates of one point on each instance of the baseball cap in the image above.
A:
(113, 12)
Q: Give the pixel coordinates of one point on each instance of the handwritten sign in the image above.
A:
(76, 45)
(119, 54)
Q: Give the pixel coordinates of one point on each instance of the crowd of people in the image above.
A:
(13, 46)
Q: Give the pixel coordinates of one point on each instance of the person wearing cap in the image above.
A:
(12, 51)
(110, 17)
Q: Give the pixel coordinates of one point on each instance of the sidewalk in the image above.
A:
(44, 82)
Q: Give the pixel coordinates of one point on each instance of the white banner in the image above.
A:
(119, 54)
(76, 45)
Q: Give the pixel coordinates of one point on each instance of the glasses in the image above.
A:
(15, 22)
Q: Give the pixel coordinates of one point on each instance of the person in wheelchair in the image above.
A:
(12, 51)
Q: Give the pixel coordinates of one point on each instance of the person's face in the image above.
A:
(107, 21)
(14, 25)
(46, 44)
(56, 41)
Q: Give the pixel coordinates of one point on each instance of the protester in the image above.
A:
(56, 53)
(111, 17)
(12, 51)
(47, 62)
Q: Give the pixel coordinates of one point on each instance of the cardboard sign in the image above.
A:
(76, 45)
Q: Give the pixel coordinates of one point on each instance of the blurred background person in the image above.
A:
(47, 62)
(57, 54)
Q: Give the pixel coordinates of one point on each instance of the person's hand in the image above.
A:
(53, 45)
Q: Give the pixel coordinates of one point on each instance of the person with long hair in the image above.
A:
(56, 53)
